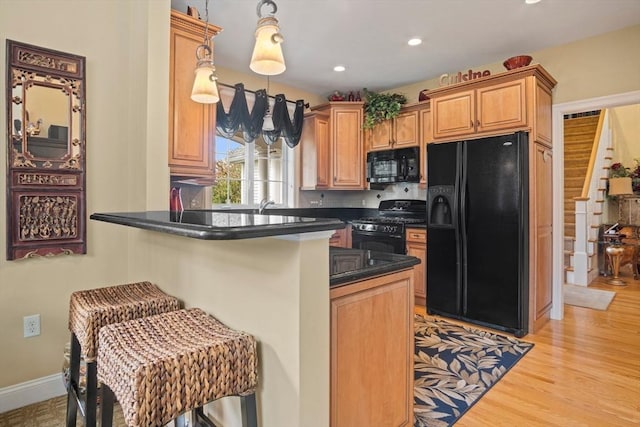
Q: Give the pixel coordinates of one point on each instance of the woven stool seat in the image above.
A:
(159, 367)
(90, 310)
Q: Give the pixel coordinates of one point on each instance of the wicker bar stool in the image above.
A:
(162, 367)
(90, 310)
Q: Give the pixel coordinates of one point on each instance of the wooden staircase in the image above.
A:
(584, 161)
(579, 134)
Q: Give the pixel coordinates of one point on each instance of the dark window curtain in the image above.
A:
(239, 118)
(283, 126)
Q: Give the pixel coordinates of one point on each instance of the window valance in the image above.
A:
(238, 117)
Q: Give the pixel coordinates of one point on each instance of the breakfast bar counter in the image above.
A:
(216, 225)
(267, 275)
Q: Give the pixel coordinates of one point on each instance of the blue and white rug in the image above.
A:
(454, 366)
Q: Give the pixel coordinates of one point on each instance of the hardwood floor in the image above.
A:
(583, 371)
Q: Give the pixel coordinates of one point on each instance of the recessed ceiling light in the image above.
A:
(531, 1)
(414, 42)
(339, 68)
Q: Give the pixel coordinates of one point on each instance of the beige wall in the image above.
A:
(44, 285)
(589, 68)
(625, 127)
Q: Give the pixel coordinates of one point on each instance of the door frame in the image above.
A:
(558, 111)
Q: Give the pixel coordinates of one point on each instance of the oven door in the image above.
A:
(378, 242)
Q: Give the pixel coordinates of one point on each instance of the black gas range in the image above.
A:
(385, 232)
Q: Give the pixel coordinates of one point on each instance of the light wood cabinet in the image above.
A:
(314, 152)
(493, 105)
(342, 145)
(541, 240)
(417, 247)
(192, 126)
(399, 132)
(341, 238)
(426, 137)
(372, 352)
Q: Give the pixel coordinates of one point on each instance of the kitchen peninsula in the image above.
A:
(267, 275)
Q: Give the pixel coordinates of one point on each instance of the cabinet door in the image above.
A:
(341, 238)
(453, 115)
(191, 125)
(314, 152)
(380, 138)
(501, 106)
(541, 225)
(405, 132)
(347, 153)
(372, 352)
(426, 137)
(417, 247)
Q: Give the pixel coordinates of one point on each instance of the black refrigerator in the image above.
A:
(477, 231)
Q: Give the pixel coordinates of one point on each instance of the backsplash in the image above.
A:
(357, 199)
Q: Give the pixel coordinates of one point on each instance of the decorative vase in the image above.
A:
(175, 200)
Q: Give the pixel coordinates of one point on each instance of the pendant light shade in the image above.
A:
(205, 89)
(267, 58)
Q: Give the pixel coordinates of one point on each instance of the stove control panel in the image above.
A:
(379, 228)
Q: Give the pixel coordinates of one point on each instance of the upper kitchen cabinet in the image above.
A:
(332, 147)
(519, 99)
(400, 132)
(192, 126)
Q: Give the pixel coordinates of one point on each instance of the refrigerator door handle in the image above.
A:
(463, 227)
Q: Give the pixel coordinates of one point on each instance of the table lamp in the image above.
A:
(620, 187)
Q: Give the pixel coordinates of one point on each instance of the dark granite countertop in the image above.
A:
(216, 225)
(349, 265)
(344, 214)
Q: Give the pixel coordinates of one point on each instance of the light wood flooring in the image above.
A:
(584, 370)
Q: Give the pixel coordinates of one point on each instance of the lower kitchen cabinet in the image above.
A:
(341, 238)
(417, 247)
(372, 341)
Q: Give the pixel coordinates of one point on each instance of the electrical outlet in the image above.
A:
(31, 325)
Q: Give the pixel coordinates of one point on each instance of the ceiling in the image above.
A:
(369, 37)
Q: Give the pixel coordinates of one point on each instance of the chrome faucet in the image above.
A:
(264, 203)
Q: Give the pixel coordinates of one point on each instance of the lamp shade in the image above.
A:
(620, 186)
(267, 58)
(205, 90)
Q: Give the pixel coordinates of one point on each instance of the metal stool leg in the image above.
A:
(249, 413)
(91, 401)
(106, 406)
(72, 387)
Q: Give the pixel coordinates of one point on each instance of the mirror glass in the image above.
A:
(44, 120)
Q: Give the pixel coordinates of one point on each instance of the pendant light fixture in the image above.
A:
(205, 90)
(267, 58)
(267, 123)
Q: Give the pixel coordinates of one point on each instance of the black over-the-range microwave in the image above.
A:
(388, 166)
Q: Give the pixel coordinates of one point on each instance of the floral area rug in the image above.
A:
(454, 366)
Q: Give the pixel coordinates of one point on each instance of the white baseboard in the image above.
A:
(26, 393)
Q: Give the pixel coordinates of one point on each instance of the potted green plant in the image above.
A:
(381, 106)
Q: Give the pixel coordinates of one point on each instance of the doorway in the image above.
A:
(559, 110)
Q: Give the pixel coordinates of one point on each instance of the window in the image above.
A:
(247, 173)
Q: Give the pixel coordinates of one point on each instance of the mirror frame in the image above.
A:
(46, 201)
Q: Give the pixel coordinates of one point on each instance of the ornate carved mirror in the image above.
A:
(46, 152)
